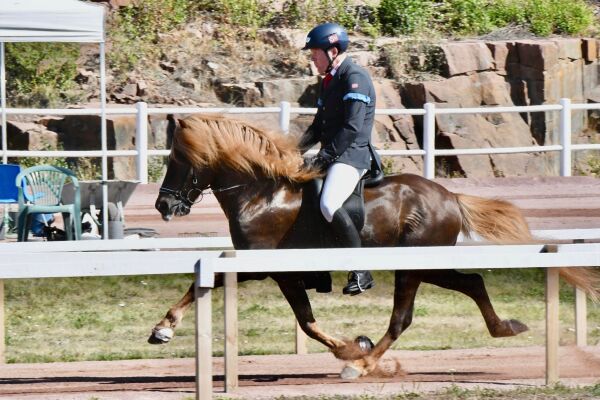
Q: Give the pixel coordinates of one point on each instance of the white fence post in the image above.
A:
(3, 95)
(284, 117)
(429, 140)
(141, 141)
(565, 170)
(203, 311)
(580, 317)
(231, 327)
(2, 325)
(565, 137)
(301, 337)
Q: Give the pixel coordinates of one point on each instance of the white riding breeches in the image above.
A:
(340, 181)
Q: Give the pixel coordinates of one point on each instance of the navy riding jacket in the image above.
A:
(344, 119)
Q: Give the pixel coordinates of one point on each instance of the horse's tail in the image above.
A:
(495, 220)
(501, 222)
(587, 279)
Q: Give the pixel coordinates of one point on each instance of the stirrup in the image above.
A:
(355, 286)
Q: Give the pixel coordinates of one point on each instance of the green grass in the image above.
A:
(111, 318)
(455, 392)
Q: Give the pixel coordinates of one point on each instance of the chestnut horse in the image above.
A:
(258, 178)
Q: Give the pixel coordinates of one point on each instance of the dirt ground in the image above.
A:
(548, 203)
(269, 377)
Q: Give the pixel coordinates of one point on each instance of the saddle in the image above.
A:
(319, 229)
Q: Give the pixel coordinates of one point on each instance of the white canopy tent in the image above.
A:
(55, 21)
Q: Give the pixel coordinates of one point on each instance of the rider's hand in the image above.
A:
(317, 162)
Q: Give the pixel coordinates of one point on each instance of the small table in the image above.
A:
(119, 193)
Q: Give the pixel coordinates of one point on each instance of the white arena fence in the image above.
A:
(428, 152)
(170, 256)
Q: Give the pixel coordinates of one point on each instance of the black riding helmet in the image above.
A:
(326, 36)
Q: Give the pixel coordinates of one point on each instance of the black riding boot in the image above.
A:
(347, 235)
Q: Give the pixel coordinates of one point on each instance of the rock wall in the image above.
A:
(521, 72)
(470, 74)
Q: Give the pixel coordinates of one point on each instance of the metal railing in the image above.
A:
(141, 111)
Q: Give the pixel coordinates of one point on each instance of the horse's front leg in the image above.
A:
(296, 296)
(406, 285)
(164, 331)
(472, 285)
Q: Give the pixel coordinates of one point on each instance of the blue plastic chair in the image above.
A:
(8, 191)
(40, 191)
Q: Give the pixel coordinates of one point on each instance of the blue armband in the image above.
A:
(357, 96)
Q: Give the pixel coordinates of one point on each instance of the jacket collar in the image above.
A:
(341, 69)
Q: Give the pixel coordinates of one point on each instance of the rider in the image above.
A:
(343, 124)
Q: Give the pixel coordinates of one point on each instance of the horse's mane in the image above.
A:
(214, 141)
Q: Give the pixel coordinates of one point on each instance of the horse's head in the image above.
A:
(181, 188)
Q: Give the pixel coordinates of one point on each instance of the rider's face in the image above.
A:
(320, 60)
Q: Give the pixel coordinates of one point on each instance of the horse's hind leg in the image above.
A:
(472, 285)
(406, 286)
(296, 296)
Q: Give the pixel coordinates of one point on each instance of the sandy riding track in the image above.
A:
(297, 375)
(548, 203)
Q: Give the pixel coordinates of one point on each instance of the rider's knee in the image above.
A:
(327, 210)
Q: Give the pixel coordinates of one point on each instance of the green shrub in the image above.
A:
(466, 16)
(307, 14)
(540, 16)
(506, 12)
(559, 16)
(246, 13)
(544, 17)
(572, 16)
(146, 19)
(594, 164)
(404, 17)
(40, 73)
(135, 29)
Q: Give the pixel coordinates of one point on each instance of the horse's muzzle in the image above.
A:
(168, 209)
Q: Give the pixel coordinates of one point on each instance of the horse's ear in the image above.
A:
(172, 125)
(182, 124)
(173, 122)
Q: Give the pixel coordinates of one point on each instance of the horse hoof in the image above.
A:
(350, 372)
(161, 336)
(510, 327)
(517, 326)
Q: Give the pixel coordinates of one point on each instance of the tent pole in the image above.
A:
(4, 161)
(3, 94)
(104, 144)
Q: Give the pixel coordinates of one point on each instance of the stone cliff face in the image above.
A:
(467, 74)
(505, 73)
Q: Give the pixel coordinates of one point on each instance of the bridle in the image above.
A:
(186, 196)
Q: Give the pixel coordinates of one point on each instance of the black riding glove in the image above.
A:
(317, 162)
